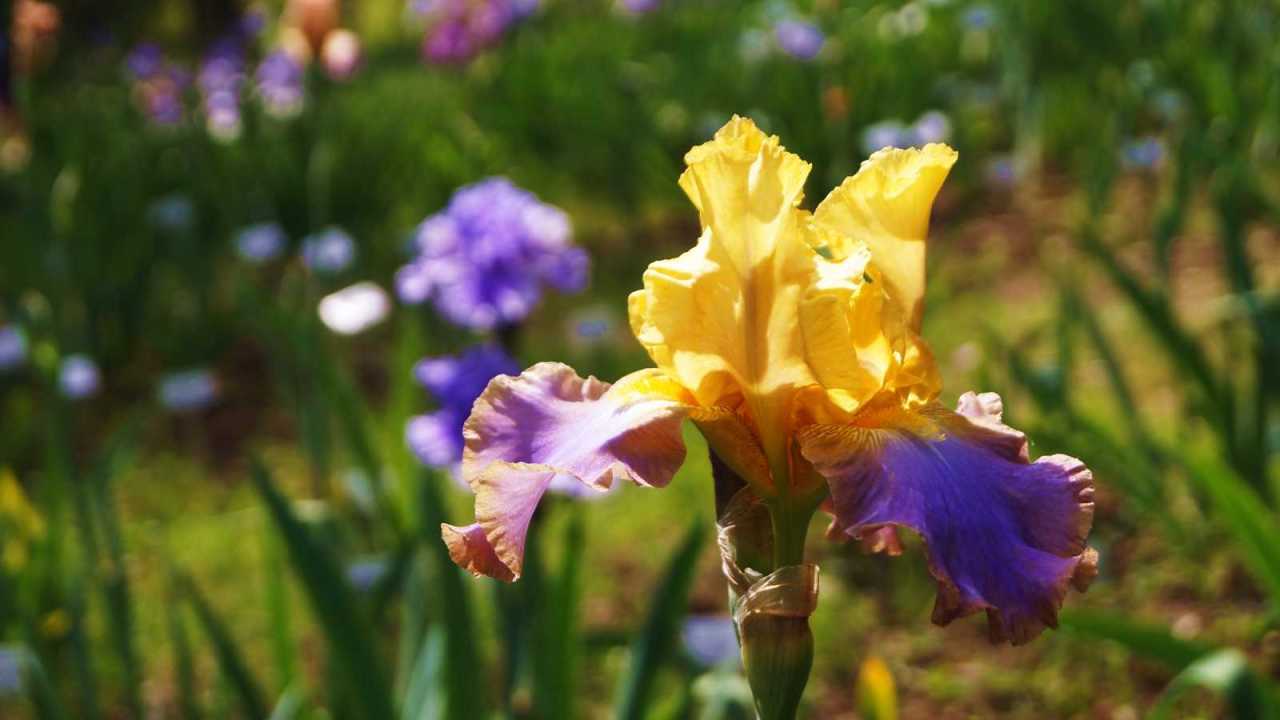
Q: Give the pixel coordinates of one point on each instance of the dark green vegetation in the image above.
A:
(196, 565)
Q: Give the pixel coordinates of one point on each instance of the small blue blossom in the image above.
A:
(710, 639)
(260, 243)
(932, 127)
(79, 377)
(13, 348)
(978, 17)
(10, 670)
(640, 7)
(365, 573)
(889, 133)
(329, 251)
(173, 213)
(1002, 171)
(484, 259)
(800, 39)
(1145, 153)
(188, 390)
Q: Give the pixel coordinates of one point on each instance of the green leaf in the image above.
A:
(184, 666)
(290, 704)
(1149, 641)
(463, 673)
(1244, 514)
(230, 660)
(426, 695)
(347, 630)
(656, 642)
(278, 613)
(555, 664)
(44, 700)
(1228, 673)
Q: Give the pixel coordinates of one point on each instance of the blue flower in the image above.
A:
(1145, 153)
(455, 381)
(484, 259)
(710, 639)
(329, 251)
(887, 134)
(978, 17)
(13, 348)
(188, 390)
(279, 79)
(260, 243)
(363, 574)
(800, 39)
(10, 670)
(932, 127)
(79, 377)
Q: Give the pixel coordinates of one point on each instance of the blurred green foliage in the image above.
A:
(1148, 343)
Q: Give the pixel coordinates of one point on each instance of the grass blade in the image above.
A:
(184, 666)
(463, 671)
(1149, 641)
(426, 696)
(1226, 672)
(230, 660)
(347, 630)
(44, 700)
(657, 640)
(556, 631)
(1242, 512)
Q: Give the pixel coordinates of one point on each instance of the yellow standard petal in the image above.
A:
(886, 205)
(861, 317)
(721, 318)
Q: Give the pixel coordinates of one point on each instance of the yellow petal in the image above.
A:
(886, 205)
(721, 318)
(842, 320)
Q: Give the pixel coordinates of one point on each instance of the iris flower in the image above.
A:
(791, 339)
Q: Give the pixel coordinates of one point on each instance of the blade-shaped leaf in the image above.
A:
(1228, 673)
(1152, 642)
(347, 630)
(657, 639)
(230, 660)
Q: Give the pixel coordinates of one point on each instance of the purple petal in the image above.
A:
(1004, 534)
(526, 431)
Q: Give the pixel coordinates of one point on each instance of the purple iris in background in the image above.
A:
(457, 30)
(158, 85)
(13, 348)
(260, 243)
(710, 639)
(886, 134)
(640, 7)
(220, 80)
(455, 381)
(483, 259)
(188, 390)
(800, 39)
(279, 80)
(1145, 153)
(329, 251)
(79, 377)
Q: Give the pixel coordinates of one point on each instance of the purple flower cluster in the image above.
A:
(931, 127)
(455, 382)
(158, 84)
(220, 80)
(483, 259)
(458, 30)
(280, 87)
